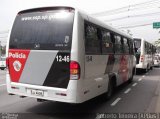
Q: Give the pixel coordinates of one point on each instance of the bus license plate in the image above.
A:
(37, 92)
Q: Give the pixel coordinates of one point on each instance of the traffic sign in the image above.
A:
(156, 24)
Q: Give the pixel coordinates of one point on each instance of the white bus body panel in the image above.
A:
(147, 62)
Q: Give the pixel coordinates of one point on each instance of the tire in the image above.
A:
(146, 70)
(131, 78)
(110, 90)
(2, 68)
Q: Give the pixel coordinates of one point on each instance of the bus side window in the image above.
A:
(107, 45)
(92, 42)
(126, 45)
(146, 51)
(118, 45)
(131, 48)
(113, 41)
(150, 49)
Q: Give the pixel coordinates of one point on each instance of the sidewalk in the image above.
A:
(154, 106)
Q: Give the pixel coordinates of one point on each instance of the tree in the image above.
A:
(3, 50)
(157, 43)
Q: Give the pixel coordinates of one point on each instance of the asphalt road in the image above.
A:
(141, 96)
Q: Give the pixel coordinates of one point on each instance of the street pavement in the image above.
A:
(140, 96)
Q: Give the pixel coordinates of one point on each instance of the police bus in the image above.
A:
(62, 54)
(145, 54)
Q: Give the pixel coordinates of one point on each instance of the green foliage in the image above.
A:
(2, 50)
(157, 43)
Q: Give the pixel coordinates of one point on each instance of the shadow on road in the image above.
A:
(63, 110)
(142, 72)
(85, 110)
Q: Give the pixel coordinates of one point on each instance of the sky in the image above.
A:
(135, 15)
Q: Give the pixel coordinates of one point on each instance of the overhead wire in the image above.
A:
(127, 8)
(142, 6)
(134, 26)
(132, 16)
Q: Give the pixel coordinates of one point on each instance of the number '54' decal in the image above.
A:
(89, 58)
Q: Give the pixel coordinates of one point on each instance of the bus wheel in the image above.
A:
(131, 78)
(146, 69)
(110, 90)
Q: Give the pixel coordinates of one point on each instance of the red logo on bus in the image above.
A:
(123, 68)
(17, 60)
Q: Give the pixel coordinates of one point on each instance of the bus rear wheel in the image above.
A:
(131, 78)
(110, 90)
(147, 69)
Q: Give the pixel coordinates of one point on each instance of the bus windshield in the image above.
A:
(43, 30)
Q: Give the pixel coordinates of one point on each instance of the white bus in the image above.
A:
(62, 54)
(144, 54)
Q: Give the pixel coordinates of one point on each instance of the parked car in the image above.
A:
(2, 63)
(157, 61)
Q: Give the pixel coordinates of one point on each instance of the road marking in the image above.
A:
(134, 84)
(129, 89)
(116, 101)
(2, 85)
(143, 76)
(140, 79)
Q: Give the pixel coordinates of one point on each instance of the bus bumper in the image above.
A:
(42, 92)
(141, 66)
